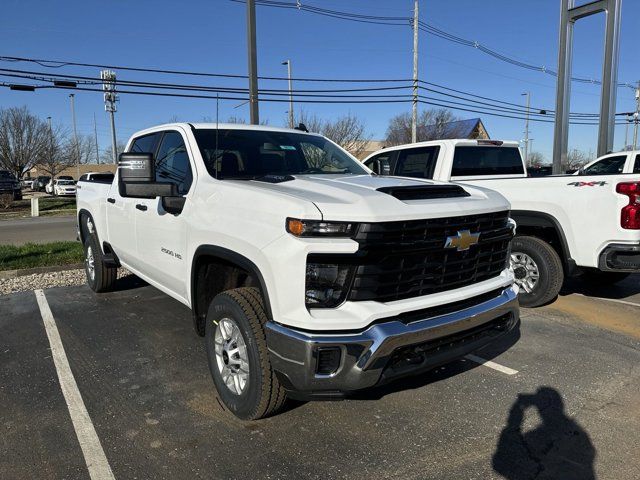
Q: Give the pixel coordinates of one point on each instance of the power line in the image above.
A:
(423, 26)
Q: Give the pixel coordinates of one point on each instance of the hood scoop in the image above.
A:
(274, 178)
(425, 192)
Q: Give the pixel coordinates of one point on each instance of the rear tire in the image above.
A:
(238, 355)
(100, 277)
(595, 277)
(538, 270)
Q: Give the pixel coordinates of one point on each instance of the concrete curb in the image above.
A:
(6, 274)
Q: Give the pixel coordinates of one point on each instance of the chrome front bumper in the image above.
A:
(389, 349)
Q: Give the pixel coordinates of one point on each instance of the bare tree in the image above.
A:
(536, 159)
(58, 152)
(347, 131)
(86, 148)
(575, 159)
(107, 155)
(433, 124)
(23, 140)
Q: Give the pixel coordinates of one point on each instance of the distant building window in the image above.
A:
(481, 161)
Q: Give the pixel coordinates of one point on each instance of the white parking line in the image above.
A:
(490, 364)
(92, 450)
(614, 300)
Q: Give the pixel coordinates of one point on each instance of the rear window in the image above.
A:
(479, 161)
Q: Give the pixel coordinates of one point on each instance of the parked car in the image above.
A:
(41, 183)
(568, 225)
(307, 275)
(28, 182)
(64, 188)
(9, 185)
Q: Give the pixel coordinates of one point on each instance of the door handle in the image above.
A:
(111, 200)
(142, 207)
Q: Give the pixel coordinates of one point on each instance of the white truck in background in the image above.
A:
(308, 275)
(584, 224)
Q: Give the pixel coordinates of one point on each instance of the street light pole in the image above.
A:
(526, 130)
(636, 115)
(288, 64)
(253, 62)
(95, 137)
(75, 133)
(414, 110)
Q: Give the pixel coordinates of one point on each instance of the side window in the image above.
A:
(636, 167)
(380, 164)
(417, 162)
(172, 162)
(607, 166)
(145, 144)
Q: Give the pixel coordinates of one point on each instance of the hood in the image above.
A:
(360, 198)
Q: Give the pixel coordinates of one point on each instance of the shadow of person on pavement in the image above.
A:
(559, 448)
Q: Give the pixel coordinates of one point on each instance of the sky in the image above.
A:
(210, 36)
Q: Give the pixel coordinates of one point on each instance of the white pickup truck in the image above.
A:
(307, 275)
(587, 223)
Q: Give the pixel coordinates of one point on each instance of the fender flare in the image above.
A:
(234, 258)
(541, 219)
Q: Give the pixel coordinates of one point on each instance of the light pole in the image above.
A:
(95, 138)
(50, 141)
(636, 115)
(75, 132)
(253, 62)
(414, 108)
(288, 64)
(526, 130)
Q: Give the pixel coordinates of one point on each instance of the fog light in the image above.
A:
(328, 360)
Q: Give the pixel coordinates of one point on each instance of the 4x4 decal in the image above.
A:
(587, 184)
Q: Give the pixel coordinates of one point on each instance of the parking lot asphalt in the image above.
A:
(37, 230)
(572, 410)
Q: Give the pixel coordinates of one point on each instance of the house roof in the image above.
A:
(457, 129)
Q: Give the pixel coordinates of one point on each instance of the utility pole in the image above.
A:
(72, 96)
(95, 137)
(50, 141)
(288, 64)
(526, 130)
(110, 98)
(253, 62)
(636, 115)
(414, 111)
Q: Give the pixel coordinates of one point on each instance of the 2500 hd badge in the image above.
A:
(171, 252)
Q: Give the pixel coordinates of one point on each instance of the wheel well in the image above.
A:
(212, 275)
(545, 227)
(82, 216)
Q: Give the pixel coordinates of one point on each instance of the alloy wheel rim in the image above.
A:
(525, 270)
(232, 358)
(90, 262)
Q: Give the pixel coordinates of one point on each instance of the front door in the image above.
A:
(161, 236)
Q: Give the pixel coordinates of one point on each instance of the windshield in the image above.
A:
(6, 175)
(65, 182)
(247, 154)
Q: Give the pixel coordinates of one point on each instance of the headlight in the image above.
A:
(316, 228)
(326, 284)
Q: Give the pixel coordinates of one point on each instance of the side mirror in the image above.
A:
(137, 177)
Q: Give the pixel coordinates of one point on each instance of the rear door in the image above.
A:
(162, 236)
(121, 218)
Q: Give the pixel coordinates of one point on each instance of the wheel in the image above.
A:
(100, 277)
(538, 270)
(597, 277)
(238, 356)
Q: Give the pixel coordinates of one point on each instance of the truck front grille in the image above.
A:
(398, 260)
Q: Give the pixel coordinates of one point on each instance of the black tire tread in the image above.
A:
(555, 273)
(105, 276)
(273, 395)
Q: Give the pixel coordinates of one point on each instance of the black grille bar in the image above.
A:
(398, 260)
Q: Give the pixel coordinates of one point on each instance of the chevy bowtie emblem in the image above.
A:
(462, 241)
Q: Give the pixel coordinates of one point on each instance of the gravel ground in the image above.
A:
(65, 278)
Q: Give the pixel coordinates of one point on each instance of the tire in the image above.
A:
(100, 277)
(595, 277)
(545, 261)
(240, 314)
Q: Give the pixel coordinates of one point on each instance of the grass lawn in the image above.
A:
(40, 255)
(47, 205)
